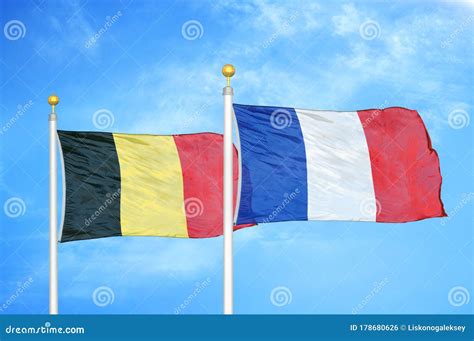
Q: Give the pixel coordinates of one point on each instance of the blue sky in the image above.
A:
(154, 67)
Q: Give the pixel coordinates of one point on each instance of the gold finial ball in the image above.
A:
(53, 100)
(228, 70)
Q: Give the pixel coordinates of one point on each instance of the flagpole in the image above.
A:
(53, 100)
(228, 71)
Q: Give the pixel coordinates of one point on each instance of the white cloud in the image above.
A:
(164, 110)
(268, 17)
(348, 21)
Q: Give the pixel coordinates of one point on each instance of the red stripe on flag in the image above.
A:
(405, 167)
(202, 162)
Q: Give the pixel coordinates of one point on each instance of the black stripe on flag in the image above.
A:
(92, 174)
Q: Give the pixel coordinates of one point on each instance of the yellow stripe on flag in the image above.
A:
(152, 196)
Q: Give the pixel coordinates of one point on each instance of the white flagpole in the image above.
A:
(228, 71)
(53, 100)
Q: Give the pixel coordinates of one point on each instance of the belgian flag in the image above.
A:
(143, 185)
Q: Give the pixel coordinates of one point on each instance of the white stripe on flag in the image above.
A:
(340, 185)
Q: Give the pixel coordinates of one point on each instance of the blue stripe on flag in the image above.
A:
(274, 177)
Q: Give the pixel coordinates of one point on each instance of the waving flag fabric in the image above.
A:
(369, 165)
(142, 185)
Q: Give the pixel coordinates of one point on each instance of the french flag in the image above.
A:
(369, 165)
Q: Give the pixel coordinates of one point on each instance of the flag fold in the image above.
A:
(369, 165)
(142, 185)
